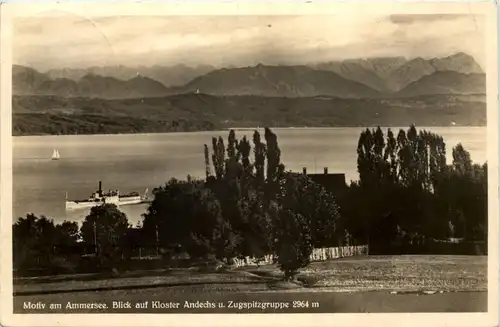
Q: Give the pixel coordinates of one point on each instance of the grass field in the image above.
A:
(359, 284)
(402, 273)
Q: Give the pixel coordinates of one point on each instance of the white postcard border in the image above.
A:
(10, 10)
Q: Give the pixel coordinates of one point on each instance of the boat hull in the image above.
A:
(72, 205)
(77, 205)
(128, 201)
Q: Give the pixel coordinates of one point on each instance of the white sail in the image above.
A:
(55, 155)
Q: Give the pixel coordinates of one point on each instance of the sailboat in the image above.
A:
(55, 155)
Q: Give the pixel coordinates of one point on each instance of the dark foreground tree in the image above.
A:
(257, 226)
(104, 231)
(303, 216)
(409, 196)
(38, 243)
(270, 210)
(293, 242)
(188, 214)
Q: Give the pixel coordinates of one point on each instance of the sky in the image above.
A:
(71, 41)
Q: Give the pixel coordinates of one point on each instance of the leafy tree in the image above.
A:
(274, 166)
(189, 214)
(260, 155)
(105, 230)
(208, 172)
(218, 157)
(273, 154)
(67, 237)
(293, 236)
(32, 237)
(364, 157)
(241, 192)
(233, 166)
(316, 204)
(390, 157)
(293, 242)
(411, 191)
(256, 228)
(377, 167)
(247, 175)
(462, 162)
(304, 215)
(467, 195)
(325, 219)
(38, 242)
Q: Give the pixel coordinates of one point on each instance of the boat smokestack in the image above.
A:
(326, 170)
(100, 188)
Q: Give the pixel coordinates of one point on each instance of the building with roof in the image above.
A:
(335, 183)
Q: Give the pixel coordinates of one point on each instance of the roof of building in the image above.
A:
(329, 181)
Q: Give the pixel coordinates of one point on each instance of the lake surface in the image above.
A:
(135, 162)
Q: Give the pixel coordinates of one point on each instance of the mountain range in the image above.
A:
(388, 75)
(177, 75)
(353, 78)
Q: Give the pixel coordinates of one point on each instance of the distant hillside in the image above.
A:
(445, 82)
(190, 112)
(272, 81)
(109, 87)
(26, 80)
(63, 124)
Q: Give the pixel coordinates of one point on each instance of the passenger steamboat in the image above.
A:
(113, 196)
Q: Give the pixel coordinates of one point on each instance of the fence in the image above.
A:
(321, 254)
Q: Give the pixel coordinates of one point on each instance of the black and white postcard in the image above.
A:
(230, 164)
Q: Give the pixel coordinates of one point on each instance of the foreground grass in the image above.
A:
(371, 273)
(153, 279)
(321, 281)
(408, 273)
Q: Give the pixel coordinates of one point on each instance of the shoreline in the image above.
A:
(236, 129)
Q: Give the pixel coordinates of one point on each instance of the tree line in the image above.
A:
(249, 204)
(408, 196)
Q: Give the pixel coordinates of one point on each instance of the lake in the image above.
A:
(135, 162)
